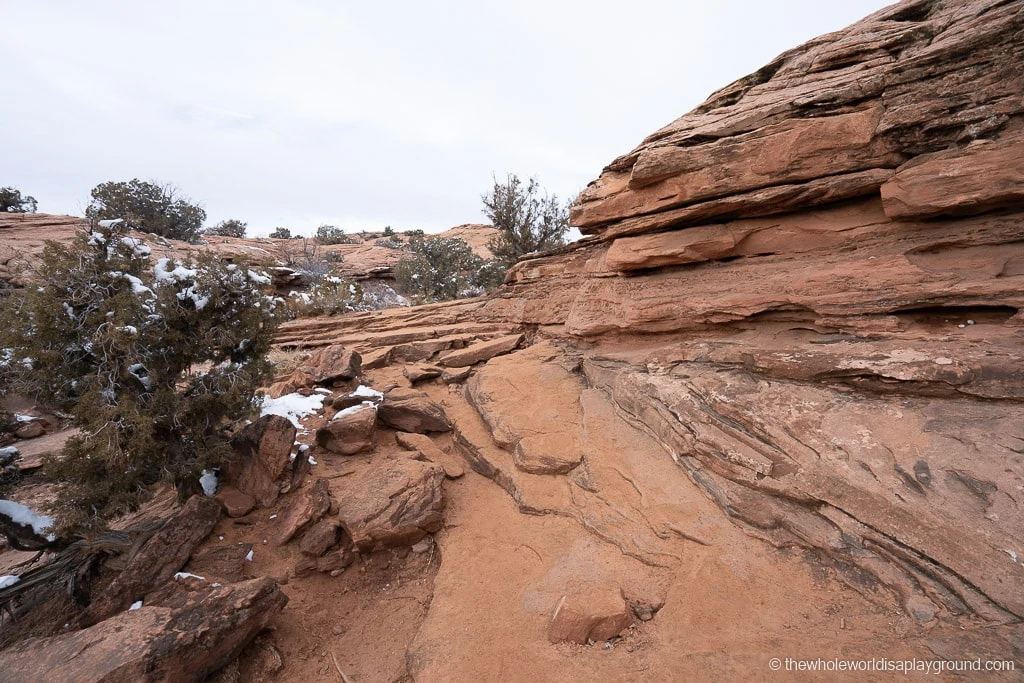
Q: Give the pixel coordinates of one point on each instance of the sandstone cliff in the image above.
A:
(806, 296)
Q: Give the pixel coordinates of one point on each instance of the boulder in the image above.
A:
(320, 537)
(394, 503)
(30, 430)
(425, 448)
(592, 614)
(191, 636)
(309, 507)
(159, 558)
(350, 431)
(332, 364)
(262, 453)
(412, 411)
(481, 351)
(234, 502)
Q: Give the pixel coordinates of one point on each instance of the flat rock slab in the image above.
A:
(425, 447)
(396, 502)
(189, 638)
(532, 408)
(33, 450)
(481, 351)
(412, 411)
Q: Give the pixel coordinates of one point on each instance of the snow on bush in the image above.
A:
(115, 339)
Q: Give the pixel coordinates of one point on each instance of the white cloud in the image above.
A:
(362, 114)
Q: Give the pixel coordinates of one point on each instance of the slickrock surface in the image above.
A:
(803, 300)
(774, 403)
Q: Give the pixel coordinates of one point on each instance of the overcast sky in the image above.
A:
(362, 114)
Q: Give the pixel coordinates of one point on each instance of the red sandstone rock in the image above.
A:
(262, 451)
(308, 507)
(187, 638)
(234, 502)
(350, 431)
(481, 351)
(394, 503)
(412, 411)
(590, 615)
(426, 448)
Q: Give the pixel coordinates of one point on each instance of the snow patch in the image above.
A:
(135, 605)
(249, 556)
(19, 514)
(176, 274)
(354, 409)
(209, 482)
(293, 406)
(8, 580)
(366, 392)
(109, 223)
(185, 575)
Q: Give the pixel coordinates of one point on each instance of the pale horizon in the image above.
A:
(362, 116)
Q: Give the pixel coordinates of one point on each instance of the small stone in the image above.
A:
(423, 545)
(456, 376)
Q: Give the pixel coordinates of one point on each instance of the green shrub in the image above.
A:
(11, 201)
(229, 228)
(388, 231)
(329, 234)
(147, 207)
(442, 268)
(329, 296)
(526, 222)
(153, 361)
(281, 234)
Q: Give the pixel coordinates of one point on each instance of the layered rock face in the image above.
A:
(808, 291)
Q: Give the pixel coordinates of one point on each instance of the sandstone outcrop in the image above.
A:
(186, 639)
(807, 294)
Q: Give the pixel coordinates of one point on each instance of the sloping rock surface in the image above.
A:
(807, 293)
(190, 637)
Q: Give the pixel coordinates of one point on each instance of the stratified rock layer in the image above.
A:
(808, 293)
